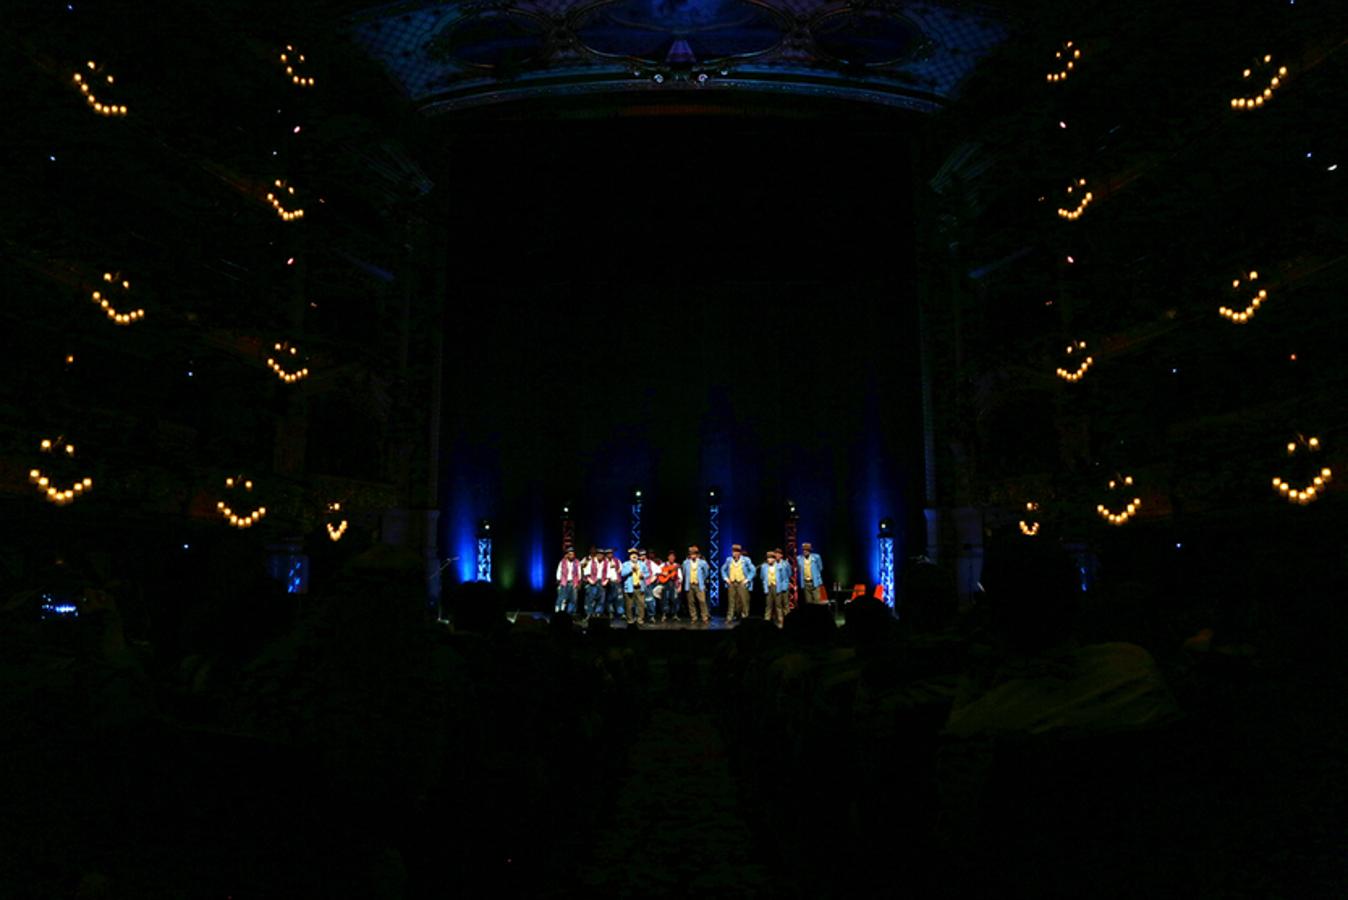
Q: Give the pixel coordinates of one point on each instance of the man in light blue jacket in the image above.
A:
(811, 569)
(695, 575)
(636, 578)
(775, 574)
(738, 574)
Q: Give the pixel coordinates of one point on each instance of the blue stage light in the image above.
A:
(295, 575)
(53, 608)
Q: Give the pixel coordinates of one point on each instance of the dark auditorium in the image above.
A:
(667, 449)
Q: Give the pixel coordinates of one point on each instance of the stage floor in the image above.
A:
(717, 623)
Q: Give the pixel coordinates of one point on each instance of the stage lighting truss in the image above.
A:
(115, 282)
(336, 529)
(1253, 75)
(1130, 510)
(247, 520)
(1310, 492)
(887, 568)
(1076, 191)
(284, 192)
(1065, 58)
(1028, 528)
(484, 559)
(634, 529)
(43, 481)
(1077, 351)
(283, 354)
(87, 80)
(292, 60)
(714, 552)
(1241, 316)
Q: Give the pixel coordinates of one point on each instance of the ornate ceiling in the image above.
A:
(454, 55)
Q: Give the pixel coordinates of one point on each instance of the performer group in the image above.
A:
(643, 589)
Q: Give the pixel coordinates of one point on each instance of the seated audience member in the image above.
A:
(1040, 681)
(1048, 741)
(929, 600)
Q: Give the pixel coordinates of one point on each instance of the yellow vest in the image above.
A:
(736, 571)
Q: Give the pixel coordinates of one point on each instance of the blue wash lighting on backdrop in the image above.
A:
(465, 501)
(536, 554)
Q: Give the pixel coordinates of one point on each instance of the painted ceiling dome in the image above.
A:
(681, 30)
(455, 55)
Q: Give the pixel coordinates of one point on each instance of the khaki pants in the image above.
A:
(737, 600)
(636, 601)
(697, 605)
(809, 593)
(776, 609)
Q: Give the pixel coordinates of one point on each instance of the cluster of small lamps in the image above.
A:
(98, 106)
(1080, 371)
(1311, 492)
(286, 60)
(1071, 53)
(274, 364)
(1129, 511)
(121, 318)
(1301, 496)
(56, 495)
(245, 521)
(287, 215)
(42, 481)
(1240, 317)
(1266, 94)
(1030, 529)
(335, 532)
(1072, 215)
